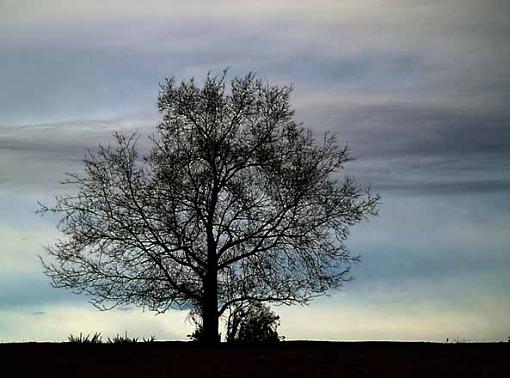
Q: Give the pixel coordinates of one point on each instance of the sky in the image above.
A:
(419, 89)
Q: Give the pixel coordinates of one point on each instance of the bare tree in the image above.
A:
(235, 202)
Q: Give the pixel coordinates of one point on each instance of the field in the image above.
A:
(287, 359)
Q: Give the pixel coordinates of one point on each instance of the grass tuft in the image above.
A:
(88, 339)
(118, 339)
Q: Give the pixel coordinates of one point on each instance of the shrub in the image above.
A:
(253, 322)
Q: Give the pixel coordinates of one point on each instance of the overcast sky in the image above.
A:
(420, 90)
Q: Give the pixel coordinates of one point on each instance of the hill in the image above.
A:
(286, 359)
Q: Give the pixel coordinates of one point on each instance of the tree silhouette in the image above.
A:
(235, 202)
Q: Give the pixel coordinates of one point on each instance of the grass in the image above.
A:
(88, 339)
(96, 338)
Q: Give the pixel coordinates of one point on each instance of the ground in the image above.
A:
(286, 359)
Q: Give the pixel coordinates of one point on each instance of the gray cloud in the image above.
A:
(36, 157)
(421, 149)
(29, 292)
(111, 63)
(38, 313)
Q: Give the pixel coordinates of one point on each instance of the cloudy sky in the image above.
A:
(420, 90)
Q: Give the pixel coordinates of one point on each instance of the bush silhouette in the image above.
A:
(253, 322)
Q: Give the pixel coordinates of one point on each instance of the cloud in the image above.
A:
(109, 59)
(414, 148)
(32, 290)
(35, 158)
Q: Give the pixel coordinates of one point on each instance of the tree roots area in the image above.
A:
(284, 359)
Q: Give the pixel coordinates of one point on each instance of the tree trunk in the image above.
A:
(210, 308)
(210, 301)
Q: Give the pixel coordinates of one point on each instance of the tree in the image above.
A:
(235, 202)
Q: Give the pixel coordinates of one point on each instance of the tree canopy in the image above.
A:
(234, 202)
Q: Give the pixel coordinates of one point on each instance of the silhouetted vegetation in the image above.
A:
(235, 202)
(118, 339)
(248, 322)
(150, 339)
(253, 322)
(96, 338)
(197, 334)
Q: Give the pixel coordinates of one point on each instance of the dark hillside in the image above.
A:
(291, 359)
